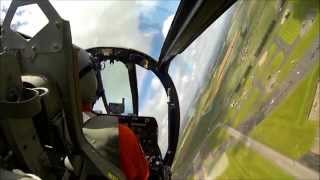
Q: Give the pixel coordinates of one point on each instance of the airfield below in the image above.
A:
(258, 116)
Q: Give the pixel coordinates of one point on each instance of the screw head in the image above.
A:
(58, 24)
(55, 46)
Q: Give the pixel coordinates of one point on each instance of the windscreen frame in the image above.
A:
(134, 57)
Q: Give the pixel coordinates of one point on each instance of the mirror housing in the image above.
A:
(117, 108)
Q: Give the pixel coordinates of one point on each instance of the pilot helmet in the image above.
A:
(88, 81)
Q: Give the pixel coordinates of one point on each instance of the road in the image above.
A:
(303, 66)
(292, 167)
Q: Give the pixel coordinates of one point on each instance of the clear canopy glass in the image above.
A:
(140, 25)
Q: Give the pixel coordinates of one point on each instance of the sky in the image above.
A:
(141, 25)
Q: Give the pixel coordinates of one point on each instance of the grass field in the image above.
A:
(266, 10)
(276, 61)
(237, 95)
(287, 128)
(289, 31)
(247, 164)
(246, 106)
(300, 48)
(258, 29)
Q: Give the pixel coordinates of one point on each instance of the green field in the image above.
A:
(246, 106)
(301, 48)
(277, 61)
(235, 95)
(290, 30)
(287, 128)
(247, 164)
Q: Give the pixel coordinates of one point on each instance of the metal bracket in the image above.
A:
(54, 56)
(48, 39)
(17, 107)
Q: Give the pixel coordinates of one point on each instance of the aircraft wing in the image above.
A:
(191, 19)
